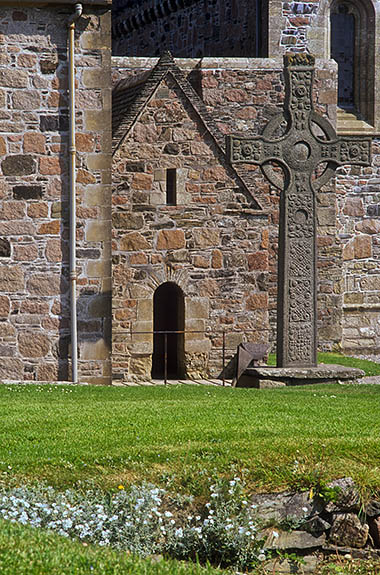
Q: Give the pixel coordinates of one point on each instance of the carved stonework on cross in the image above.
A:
(309, 141)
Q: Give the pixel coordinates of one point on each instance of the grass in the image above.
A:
(370, 368)
(181, 436)
(28, 551)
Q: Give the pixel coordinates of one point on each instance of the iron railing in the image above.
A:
(165, 333)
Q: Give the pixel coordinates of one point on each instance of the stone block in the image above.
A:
(127, 221)
(258, 261)
(3, 146)
(141, 348)
(359, 247)
(354, 207)
(157, 198)
(95, 350)
(96, 195)
(326, 216)
(13, 78)
(96, 120)
(257, 301)
(145, 310)
(50, 165)
(197, 346)
(197, 308)
(142, 181)
(99, 306)
(217, 259)
(12, 210)
(348, 531)
(50, 228)
(27, 192)
(4, 306)
(26, 100)
(11, 368)
(233, 340)
(99, 269)
(84, 142)
(142, 331)
(18, 165)
(197, 327)
(141, 367)
(26, 252)
(11, 278)
(34, 143)
(33, 344)
(48, 65)
(97, 231)
(160, 175)
(47, 372)
(95, 78)
(206, 237)
(99, 162)
(354, 297)
(44, 285)
(368, 226)
(133, 241)
(170, 240)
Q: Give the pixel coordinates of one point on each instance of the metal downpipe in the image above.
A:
(72, 196)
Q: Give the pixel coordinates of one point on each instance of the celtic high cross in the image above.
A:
(309, 141)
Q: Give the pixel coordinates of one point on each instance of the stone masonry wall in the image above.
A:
(188, 29)
(358, 192)
(212, 244)
(241, 95)
(34, 282)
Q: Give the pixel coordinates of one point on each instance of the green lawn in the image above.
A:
(29, 551)
(181, 436)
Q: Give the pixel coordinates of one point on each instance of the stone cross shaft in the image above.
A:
(309, 140)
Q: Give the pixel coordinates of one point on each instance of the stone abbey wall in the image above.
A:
(34, 279)
(188, 28)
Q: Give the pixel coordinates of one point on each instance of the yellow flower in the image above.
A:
(120, 486)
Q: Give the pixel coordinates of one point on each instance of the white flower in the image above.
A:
(261, 557)
(168, 514)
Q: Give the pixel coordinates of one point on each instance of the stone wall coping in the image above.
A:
(119, 62)
(43, 3)
(354, 306)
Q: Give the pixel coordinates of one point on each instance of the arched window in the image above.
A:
(352, 46)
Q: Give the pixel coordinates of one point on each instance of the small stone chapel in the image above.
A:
(163, 232)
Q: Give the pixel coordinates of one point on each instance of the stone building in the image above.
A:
(192, 239)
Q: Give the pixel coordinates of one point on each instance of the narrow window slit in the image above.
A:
(171, 187)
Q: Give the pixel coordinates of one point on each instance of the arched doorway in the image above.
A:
(168, 316)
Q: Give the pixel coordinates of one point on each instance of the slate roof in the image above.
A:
(130, 95)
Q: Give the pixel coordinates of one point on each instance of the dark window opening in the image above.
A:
(171, 187)
(168, 316)
(343, 52)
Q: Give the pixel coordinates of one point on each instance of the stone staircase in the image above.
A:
(348, 123)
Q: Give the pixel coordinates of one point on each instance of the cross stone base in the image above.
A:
(264, 377)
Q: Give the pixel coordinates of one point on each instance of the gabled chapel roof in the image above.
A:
(130, 95)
